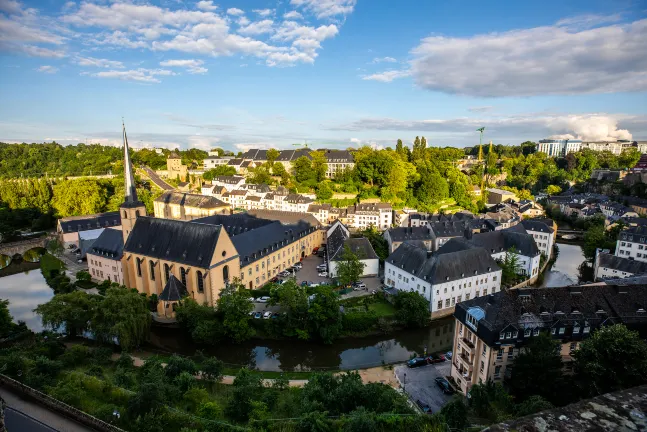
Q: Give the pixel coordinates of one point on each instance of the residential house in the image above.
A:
(68, 228)
(607, 266)
(543, 234)
(632, 243)
(338, 161)
(188, 206)
(104, 257)
(338, 238)
(396, 236)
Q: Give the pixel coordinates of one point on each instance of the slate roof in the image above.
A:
(562, 306)
(240, 192)
(261, 188)
(190, 243)
(335, 241)
(315, 208)
(262, 241)
(174, 290)
(234, 224)
(229, 179)
(411, 233)
(254, 198)
(637, 234)
(621, 264)
(440, 267)
(338, 156)
(110, 244)
(290, 155)
(535, 225)
(190, 200)
(502, 241)
(235, 162)
(298, 199)
(255, 154)
(360, 246)
(84, 223)
(246, 164)
(285, 217)
(450, 229)
(281, 190)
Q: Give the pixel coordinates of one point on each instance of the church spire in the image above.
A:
(131, 191)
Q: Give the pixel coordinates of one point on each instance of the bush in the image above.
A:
(359, 321)
(101, 355)
(185, 381)
(178, 364)
(83, 276)
(125, 361)
(96, 371)
(75, 355)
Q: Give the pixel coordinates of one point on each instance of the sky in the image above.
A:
(333, 73)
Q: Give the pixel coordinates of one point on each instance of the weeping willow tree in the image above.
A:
(122, 315)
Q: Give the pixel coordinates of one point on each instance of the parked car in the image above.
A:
(423, 406)
(263, 299)
(251, 299)
(444, 385)
(267, 315)
(298, 265)
(359, 284)
(257, 315)
(284, 273)
(449, 355)
(251, 314)
(313, 285)
(275, 316)
(417, 362)
(322, 267)
(436, 358)
(322, 274)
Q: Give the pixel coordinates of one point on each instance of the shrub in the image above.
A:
(101, 355)
(185, 381)
(75, 355)
(178, 364)
(359, 321)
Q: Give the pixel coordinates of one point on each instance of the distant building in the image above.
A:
(68, 228)
(558, 147)
(491, 330)
(256, 155)
(496, 196)
(228, 182)
(609, 266)
(632, 243)
(287, 157)
(174, 167)
(396, 236)
(543, 234)
(212, 162)
(187, 206)
(338, 161)
(364, 215)
(104, 257)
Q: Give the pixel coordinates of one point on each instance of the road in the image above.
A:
(27, 416)
(420, 384)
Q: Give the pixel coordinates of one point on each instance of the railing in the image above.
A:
(468, 343)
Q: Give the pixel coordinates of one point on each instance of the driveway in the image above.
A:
(419, 383)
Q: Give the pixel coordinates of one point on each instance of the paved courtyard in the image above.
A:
(419, 383)
(309, 273)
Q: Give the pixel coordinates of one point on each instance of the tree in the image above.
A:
(278, 169)
(83, 276)
(79, 197)
(234, 309)
(248, 387)
(597, 361)
(74, 311)
(319, 165)
(349, 267)
(55, 247)
(293, 300)
(532, 405)
(222, 170)
(6, 320)
(324, 317)
(177, 364)
(378, 242)
(122, 314)
(596, 237)
(537, 370)
(302, 168)
(272, 155)
(212, 369)
(260, 175)
(324, 191)
(510, 267)
(412, 309)
(490, 401)
(553, 190)
(432, 187)
(455, 413)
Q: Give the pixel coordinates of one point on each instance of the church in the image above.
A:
(198, 258)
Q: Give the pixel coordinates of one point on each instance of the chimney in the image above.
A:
(429, 253)
(468, 233)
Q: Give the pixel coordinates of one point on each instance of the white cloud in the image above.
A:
(235, 11)
(97, 62)
(48, 69)
(536, 61)
(140, 75)
(263, 12)
(387, 76)
(121, 39)
(258, 27)
(588, 21)
(10, 6)
(291, 30)
(326, 8)
(534, 126)
(31, 50)
(384, 60)
(243, 21)
(191, 65)
(206, 5)
(480, 109)
(292, 15)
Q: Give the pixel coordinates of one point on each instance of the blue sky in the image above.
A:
(337, 73)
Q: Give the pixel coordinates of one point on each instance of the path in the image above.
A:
(24, 415)
(152, 175)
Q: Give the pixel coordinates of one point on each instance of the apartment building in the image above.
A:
(543, 234)
(607, 266)
(558, 147)
(188, 206)
(632, 243)
(230, 183)
(490, 330)
(212, 162)
(456, 272)
(338, 161)
(362, 216)
(321, 212)
(396, 236)
(104, 256)
(68, 228)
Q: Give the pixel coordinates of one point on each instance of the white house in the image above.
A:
(543, 234)
(212, 162)
(632, 243)
(362, 216)
(609, 266)
(448, 276)
(228, 182)
(337, 238)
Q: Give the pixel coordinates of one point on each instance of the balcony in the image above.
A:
(465, 360)
(469, 344)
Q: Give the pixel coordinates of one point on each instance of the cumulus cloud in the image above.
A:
(258, 27)
(292, 15)
(538, 61)
(193, 66)
(206, 5)
(139, 75)
(387, 76)
(235, 11)
(326, 8)
(592, 127)
(48, 69)
(97, 62)
(10, 6)
(384, 60)
(263, 12)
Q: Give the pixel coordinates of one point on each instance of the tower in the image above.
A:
(131, 208)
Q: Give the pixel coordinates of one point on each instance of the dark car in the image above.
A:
(423, 406)
(436, 358)
(304, 283)
(417, 362)
(444, 385)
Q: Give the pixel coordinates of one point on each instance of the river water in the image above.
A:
(565, 271)
(25, 291)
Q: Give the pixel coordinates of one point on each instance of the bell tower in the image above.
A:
(131, 208)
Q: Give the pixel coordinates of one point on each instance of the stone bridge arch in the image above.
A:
(22, 246)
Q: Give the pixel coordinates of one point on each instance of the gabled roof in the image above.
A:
(297, 199)
(257, 244)
(110, 244)
(229, 179)
(255, 154)
(338, 156)
(235, 162)
(84, 223)
(190, 243)
(336, 239)
(535, 225)
(174, 290)
(285, 217)
(411, 233)
(359, 246)
(502, 241)
(190, 200)
(621, 264)
(291, 155)
(234, 224)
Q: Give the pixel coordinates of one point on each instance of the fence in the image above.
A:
(58, 406)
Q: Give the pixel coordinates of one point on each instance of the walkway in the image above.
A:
(157, 179)
(27, 416)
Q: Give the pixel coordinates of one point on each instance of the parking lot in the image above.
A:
(309, 273)
(419, 383)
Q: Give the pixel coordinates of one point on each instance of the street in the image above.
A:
(419, 383)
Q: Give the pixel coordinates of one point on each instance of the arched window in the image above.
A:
(136, 213)
(151, 268)
(139, 267)
(200, 281)
(225, 273)
(125, 214)
(167, 272)
(183, 275)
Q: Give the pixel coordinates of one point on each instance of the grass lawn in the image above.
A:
(49, 262)
(382, 308)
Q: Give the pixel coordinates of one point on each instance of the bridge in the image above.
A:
(579, 234)
(22, 246)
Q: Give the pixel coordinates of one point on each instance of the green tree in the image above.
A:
(83, 276)
(260, 175)
(222, 170)
(74, 311)
(6, 320)
(510, 267)
(278, 169)
(324, 191)
(247, 388)
(432, 187)
(177, 364)
(121, 314)
(412, 309)
(212, 369)
(319, 165)
(79, 197)
(234, 309)
(490, 401)
(349, 267)
(324, 317)
(455, 413)
(537, 370)
(378, 242)
(532, 405)
(302, 168)
(553, 190)
(597, 365)
(293, 300)
(272, 155)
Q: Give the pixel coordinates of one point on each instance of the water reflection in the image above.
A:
(350, 353)
(33, 255)
(5, 260)
(25, 291)
(565, 271)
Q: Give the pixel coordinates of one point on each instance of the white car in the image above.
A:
(263, 299)
(323, 274)
(298, 265)
(267, 315)
(251, 299)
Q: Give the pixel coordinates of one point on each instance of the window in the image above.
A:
(535, 332)
(576, 329)
(484, 292)
(167, 272)
(499, 354)
(482, 365)
(199, 281)
(510, 353)
(508, 335)
(553, 330)
(447, 303)
(494, 278)
(561, 330)
(139, 267)
(515, 334)
(453, 301)
(587, 329)
(257, 281)
(526, 332)
(502, 335)
(458, 300)
(250, 271)
(225, 273)
(183, 275)
(445, 292)
(497, 370)
(484, 350)
(440, 304)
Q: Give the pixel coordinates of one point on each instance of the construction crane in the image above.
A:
(305, 144)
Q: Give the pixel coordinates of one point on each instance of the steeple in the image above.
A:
(131, 192)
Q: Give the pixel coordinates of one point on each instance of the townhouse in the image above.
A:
(607, 266)
(337, 239)
(632, 243)
(188, 206)
(543, 234)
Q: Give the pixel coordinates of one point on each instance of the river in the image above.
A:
(25, 291)
(565, 270)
